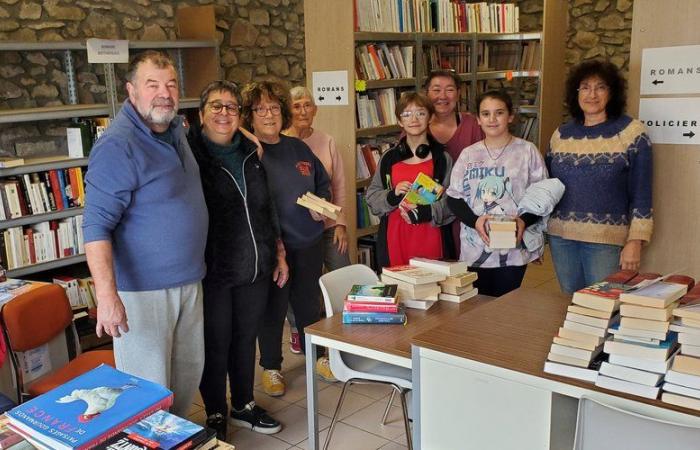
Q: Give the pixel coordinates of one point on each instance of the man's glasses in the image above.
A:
(419, 114)
(262, 112)
(231, 109)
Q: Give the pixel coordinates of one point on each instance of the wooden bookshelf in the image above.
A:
(325, 18)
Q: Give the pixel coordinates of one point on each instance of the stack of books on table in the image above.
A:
(95, 410)
(377, 303)
(576, 350)
(417, 287)
(458, 283)
(642, 347)
(502, 232)
(682, 381)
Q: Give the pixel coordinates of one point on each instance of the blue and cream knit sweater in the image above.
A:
(607, 171)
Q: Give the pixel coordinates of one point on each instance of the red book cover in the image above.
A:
(369, 159)
(32, 250)
(355, 23)
(692, 297)
(56, 189)
(641, 277)
(621, 276)
(603, 289)
(53, 226)
(682, 279)
(377, 62)
(371, 307)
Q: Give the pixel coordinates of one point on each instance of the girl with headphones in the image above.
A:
(409, 231)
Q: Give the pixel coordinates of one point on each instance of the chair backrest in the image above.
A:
(36, 317)
(335, 285)
(601, 426)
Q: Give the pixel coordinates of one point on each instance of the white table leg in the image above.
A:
(311, 393)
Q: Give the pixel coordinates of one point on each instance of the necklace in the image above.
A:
(502, 150)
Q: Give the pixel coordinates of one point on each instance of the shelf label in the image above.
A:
(671, 70)
(330, 88)
(107, 51)
(671, 120)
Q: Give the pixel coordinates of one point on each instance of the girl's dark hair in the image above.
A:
(219, 86)
(611, 76)
(498, 95)
(442, 73)
(417, 99)
(275, 91)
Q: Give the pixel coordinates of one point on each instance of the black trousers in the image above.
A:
(302, 293)
(232, 320)
(497, 281)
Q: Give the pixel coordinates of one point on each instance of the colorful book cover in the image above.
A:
(370, 307)
(375, 317)
(88, 409)
(159, 431)
(423, 191)
(383, 293)
(604, 289)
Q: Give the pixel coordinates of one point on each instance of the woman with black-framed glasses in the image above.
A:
(242, 257)
(293, 170)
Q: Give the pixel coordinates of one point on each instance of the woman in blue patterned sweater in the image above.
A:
(604, 159)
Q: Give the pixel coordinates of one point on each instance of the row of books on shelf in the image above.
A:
(83, 133)
(418, 285)
(634, 333)
(436, 15)
(376, 108)
(103, 409)
(365, 218)
(491, 56)
(42, 242)
(41, 192)
(368, 155)
(383, 62)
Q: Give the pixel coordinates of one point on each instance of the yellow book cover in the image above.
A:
(424, 191)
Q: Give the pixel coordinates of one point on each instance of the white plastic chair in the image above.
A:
(604, 427)
(354, 369)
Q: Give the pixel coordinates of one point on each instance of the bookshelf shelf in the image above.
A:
(509, 36)
(529, 109)
(53, 113)
(363, 183)
(44, 164)
(367, 231)
(394, 82)
(376, 131)
(366, 36)
(42, 217)
(503, 74)
(56, 263)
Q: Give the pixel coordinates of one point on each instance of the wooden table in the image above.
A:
(387, 343)
(483, 372)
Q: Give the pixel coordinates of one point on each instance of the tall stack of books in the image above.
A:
(417, 287)
(375, 303)
(682, 381)
(458, 283)
(576, 351)
(643, 338)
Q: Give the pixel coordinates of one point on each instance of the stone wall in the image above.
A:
(257, 38)
(600, 29)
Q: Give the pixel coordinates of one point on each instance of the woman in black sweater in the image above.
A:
(243, 254)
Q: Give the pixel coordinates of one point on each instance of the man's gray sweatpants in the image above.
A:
(165, 342)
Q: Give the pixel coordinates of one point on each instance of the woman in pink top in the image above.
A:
(456, 130)
(335, 251)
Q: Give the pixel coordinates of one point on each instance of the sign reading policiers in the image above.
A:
(330, 88)
(671, 70)
(671, 120)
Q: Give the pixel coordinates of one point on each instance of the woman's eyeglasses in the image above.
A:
(262, 112)
(231, 109)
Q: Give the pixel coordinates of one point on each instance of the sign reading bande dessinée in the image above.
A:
(671, 120)
(671, 70)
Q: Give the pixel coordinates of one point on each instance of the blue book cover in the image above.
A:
(375, 317)
(88, 409)
(165, 431)
(62, 185)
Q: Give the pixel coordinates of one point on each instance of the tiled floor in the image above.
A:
(359, 427)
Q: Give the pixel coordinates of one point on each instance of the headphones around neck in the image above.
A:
(422, 150)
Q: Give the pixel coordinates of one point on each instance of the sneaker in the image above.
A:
(273, 383)
(217, 422)
(254, 417)
(323, 369)
(295, 342)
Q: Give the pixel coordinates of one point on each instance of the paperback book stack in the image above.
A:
(642, 339)
(682, 381)
(576, 351)
(458, 284)
(502, 232)
(87, 410)
(417, 286)
(376, 303)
